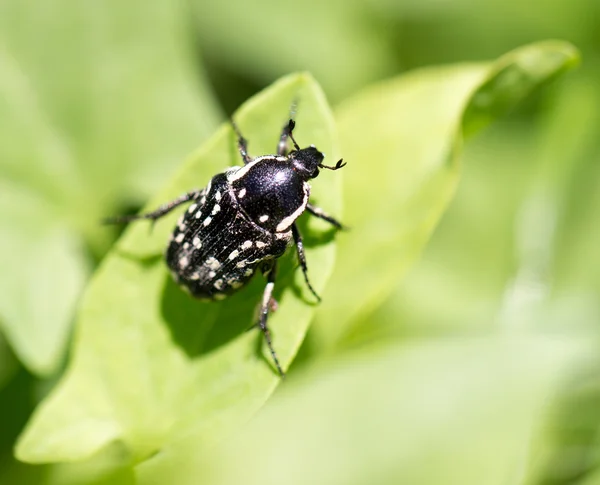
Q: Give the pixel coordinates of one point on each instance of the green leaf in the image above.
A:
(129, 77)
(457, 412)
(151, 365)
(43, 265)
(569, 155)
(470, 260)
(96, 106)
(520, 234)
(43, 272)
(402, 140)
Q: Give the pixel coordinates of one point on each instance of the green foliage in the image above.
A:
(466, 359)
(423, 413)
(134, 323)
(415, 131)
(138, 364)
(79, 133)
(296, 37)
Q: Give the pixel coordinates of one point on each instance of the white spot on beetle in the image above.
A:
(264, 218)
(195, 276)
(192, 208)
(203, 200)
(241, 193)
(218, 284)
(247, 244)
(212, 274)
(248, 272)
(235, 284)
(260, 244)
(286, 222)
(216, 209)
(238, 174)
(196, 242)
(241, 264)
(218, 195)
(213, 263)
(180, 237)
(183, 261)
(207, 221)
(186, 245)
(241, 172)
(234, 254)
(198, 214)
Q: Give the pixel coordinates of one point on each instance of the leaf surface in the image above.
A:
(97, 103)
(151, 365)
(402, 140)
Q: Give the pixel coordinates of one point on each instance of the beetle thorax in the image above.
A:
(271, 192)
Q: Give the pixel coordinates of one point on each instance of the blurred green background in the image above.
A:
(99, 103)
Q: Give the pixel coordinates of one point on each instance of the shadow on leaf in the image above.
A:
(200, 327)
(146, 261)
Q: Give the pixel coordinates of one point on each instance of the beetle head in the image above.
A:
(307, 161)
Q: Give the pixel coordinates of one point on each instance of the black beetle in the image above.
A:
(243, 220)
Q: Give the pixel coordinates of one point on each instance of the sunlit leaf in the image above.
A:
(462, 412)
(43, 272)
(151, 365)
(519, 233)
(402, 140)
(98, 101)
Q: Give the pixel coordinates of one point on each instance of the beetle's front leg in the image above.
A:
(242, 144)
(318, 212)
(283, 138)
(302, 259)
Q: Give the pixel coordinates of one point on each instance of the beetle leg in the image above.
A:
(318, 212)
(270, 271)
(158, 213)
(273, 305)
(302, 258)
(283, 139)
(242, 144)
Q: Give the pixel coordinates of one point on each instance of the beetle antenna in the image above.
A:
(338, 165)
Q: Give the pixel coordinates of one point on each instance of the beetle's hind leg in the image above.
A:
(158, 213)
(270, 271)
(302, 259)
(318, 212)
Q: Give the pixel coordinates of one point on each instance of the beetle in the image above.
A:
(242, 222)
